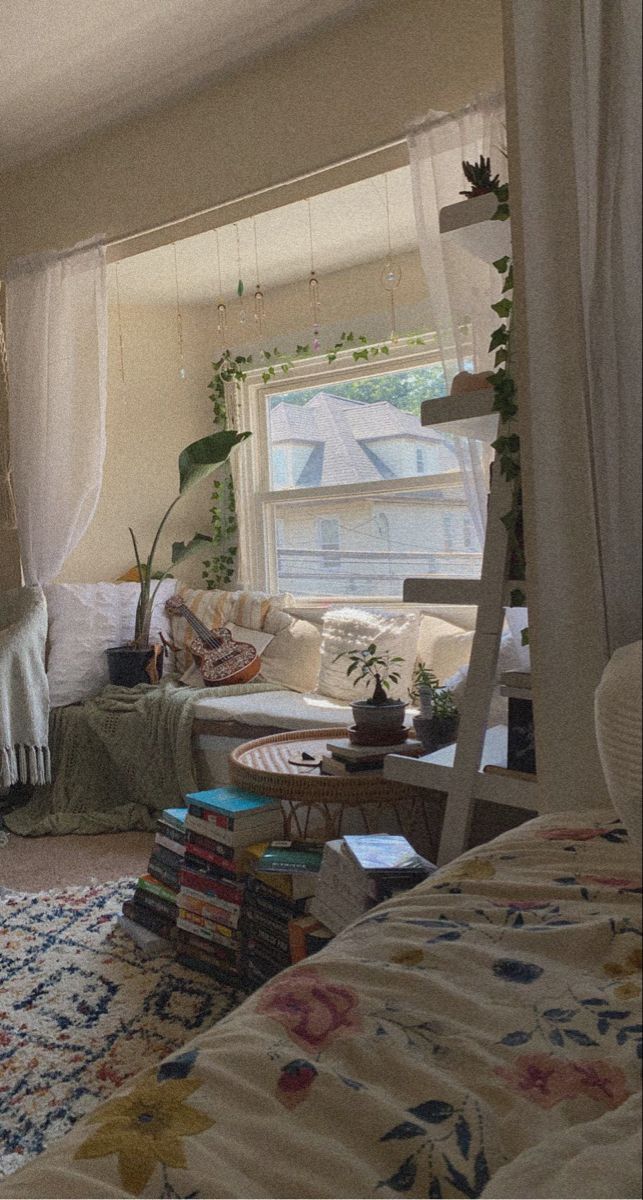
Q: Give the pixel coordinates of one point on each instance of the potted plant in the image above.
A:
(379, 720)
(437, 723)
(480, 177)
(141, 661)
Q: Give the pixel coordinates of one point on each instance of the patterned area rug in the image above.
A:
(81, 1010)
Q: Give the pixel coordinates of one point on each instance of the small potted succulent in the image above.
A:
(437, 723)
(141, 660)
(480, 177)
(379, 720)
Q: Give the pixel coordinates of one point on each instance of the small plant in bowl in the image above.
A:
(480, 177)
(379, 720)
(437, 723)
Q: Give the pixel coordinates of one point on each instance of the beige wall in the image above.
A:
(152, 414)
(330, 96)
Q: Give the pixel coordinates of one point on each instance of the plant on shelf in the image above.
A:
(380, 718)
(130, 664)
(480, 177)
(437, 724)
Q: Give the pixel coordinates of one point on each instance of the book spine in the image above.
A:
(215, 887)
(211, 844)
(230, 867)
(214, 933)
(166, 908)
(170, 844)
(148, 884)
(187, 894)
(210, 912)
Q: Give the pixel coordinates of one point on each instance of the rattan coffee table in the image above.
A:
(263, 766)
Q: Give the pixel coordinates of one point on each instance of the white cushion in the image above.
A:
(618, 732)
(85, 619)
(353, 628)
(281, 710)
(292, 657)
(442, 647)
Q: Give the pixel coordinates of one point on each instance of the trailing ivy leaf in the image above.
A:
(385, 349)
(499, 337)
(517, 598)
(509, 281)
(501, 264)
(406, 1130)
(240, 288)
(432, 1111)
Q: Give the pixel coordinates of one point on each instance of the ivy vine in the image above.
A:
(507, 445)
(218, 570)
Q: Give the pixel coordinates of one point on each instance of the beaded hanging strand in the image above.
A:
(259, 307)
(391, 272)
(313, 286)
(120, 326)
(179, 317)
(222, 312)
(240, 287)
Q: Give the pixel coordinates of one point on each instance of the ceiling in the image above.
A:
(349, 226)
(70, 67)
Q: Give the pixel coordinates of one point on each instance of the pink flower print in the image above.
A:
(294, 1082)
(540, 1078)
(546, 1080)
(610, 881)
(310, 1009)
(572, 835)
(600, 1080)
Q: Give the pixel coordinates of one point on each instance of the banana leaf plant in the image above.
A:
(196, 462)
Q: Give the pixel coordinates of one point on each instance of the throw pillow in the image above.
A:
(618, 732)
(442, 647)
(292, 657)
(354, 628)
(85, 619)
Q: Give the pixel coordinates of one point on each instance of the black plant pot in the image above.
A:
(435, 732)
(128, 666)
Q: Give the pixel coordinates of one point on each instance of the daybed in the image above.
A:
(479, 1035)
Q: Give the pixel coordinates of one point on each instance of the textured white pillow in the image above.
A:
(85, 619)
(442, 647)
(292, 657)
(618, 732)
(354, 628)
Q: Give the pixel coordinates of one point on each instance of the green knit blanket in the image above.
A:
(118, 759)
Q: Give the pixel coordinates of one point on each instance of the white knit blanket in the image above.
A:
(24, 694)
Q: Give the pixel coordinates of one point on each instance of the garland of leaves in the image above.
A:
(507, 444)
(218, 570)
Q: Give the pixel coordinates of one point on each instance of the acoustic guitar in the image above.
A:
(221, 660)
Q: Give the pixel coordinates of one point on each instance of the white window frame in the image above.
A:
(256, 500)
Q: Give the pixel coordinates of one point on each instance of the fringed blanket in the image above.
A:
(24, 694)
(118, 760)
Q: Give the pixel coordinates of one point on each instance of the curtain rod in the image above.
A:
(273, 187)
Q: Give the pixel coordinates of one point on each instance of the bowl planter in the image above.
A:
(384, 720)
(128, 665)
(436, 732)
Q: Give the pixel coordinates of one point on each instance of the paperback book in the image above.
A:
(291, 858)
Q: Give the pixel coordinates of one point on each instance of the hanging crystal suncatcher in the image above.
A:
(179, 318)
(391, 272)
(313, 287)
(259, 307)
(222, 312)
(240, 287)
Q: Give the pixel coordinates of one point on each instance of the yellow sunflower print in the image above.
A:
(144, 1128)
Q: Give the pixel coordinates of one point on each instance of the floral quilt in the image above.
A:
(439, 1037)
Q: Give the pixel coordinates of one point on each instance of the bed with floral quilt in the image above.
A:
(487, 1019)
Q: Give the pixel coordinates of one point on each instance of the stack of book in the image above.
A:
(346, 758)
(359, 871)
(284, 877)
(221, 824)
(153, 905)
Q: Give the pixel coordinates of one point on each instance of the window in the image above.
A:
(342, 492)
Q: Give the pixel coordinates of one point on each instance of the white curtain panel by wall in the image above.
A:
(57, 349)
(461, 288)
(573, 82)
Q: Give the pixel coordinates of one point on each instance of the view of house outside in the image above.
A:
(365, 543)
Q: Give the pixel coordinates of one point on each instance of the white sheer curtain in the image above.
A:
(57, 350)
(573, 115)
(461, 288)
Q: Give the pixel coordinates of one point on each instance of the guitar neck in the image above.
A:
(199, 628)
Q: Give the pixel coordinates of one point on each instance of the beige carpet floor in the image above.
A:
(40, 864)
